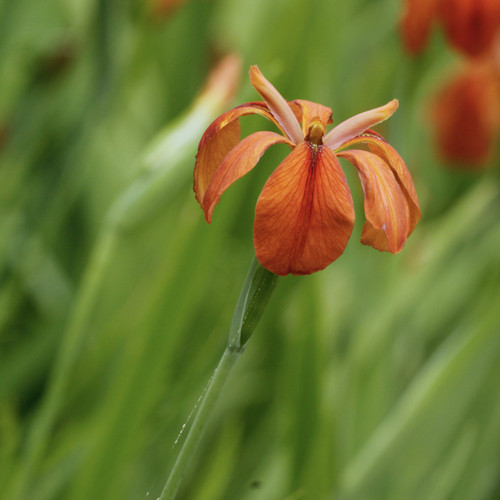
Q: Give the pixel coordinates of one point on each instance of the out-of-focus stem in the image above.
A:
(193, 438)
(253, 299)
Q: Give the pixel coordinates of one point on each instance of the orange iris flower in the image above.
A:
(468, 107)
(305, 215)
(470, 25)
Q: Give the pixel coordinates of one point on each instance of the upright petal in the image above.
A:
(390, 156)
(358, 124)
(386, 208)
(240, 160)
(219, 138)
(277, 104)
(304, 215)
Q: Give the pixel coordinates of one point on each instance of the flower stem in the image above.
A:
(200, 422)
(253, 299)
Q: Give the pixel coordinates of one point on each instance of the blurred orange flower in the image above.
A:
(304, 216)
(470, 25)
(163, 9)
(466, 114)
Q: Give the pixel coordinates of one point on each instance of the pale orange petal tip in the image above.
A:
(277, 104)
(392, 106)
(259, 82)
(257, 79)
(352, 127)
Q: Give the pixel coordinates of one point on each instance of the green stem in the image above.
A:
(254, 296)
(200, 422)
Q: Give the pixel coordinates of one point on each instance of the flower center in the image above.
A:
(316, 131)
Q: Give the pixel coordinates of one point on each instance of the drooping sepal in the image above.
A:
(219, 138)
(239, 161)
(304, 215)
(386, 207)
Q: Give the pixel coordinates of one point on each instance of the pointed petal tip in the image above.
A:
(392, 106)
(208, 214)
(257, 79)
(386, 111)
(277, 104)
(358, 124)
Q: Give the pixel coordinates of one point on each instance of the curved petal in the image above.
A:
(304, 215)
(277, 104)
(390, 156)
(219, 138)
(310, 110)
(416, 24)
(358, 124)
(386, 208)
(240, 160)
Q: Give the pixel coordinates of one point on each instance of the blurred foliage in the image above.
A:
(374, 379)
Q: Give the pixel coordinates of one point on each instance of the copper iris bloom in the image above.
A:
(304, 216)
(470, 25)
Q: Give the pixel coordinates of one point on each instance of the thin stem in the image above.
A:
(255, 294)
(200, 422)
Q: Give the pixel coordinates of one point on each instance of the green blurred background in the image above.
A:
(377, 378)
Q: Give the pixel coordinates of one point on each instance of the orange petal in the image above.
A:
(358, 124)
(219, 138)
(240, 160)
(390, 156)
(471, 25)
(304, 215)
(386, 208)
(416, 24)
(277, 104)
(310, 110)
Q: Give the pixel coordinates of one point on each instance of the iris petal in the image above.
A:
(219, 138)
(386, 208)
(390, 156)
(304, 215)
(358, 124)
(277, 104)
(240, 160)
(471, 25)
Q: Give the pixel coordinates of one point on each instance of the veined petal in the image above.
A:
(390, 156)
(240, 160)
(277, 104)
(310, 110)
(219, 138)
(357, 124)
(210, 156)
(304, 215)
(386, 208)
